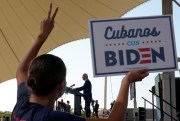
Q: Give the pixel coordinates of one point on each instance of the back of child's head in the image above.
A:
(45, 73)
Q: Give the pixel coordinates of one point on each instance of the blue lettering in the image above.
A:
(132, 43)
(110, 33)
(131, 33)
(146, 32)
(108, 29)
(123, 33)
(121, 57)
(156, 54)
(154, 32)
(138, 32)
(133, 57)
(110, 58)
(129, 56)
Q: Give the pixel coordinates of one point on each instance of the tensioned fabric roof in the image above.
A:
(20, 19)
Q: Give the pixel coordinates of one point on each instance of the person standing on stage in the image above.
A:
(87, 94)
(96, 108)
(68, 107)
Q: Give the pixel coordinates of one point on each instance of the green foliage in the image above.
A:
(5, 113)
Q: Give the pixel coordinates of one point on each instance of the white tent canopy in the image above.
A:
(19, 25)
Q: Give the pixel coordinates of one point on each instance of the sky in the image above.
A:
(77, 57)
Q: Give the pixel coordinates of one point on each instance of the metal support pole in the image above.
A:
(153, 92)
(144, 104)
(105, 92)
(153, 105)
(135, 102)
(176, 3)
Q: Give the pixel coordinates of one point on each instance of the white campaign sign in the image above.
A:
(120, 45)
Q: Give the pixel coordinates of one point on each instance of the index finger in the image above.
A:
(49, 12)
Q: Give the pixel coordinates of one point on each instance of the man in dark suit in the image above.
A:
(87, 94)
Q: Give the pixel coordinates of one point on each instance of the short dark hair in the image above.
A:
(45, 73)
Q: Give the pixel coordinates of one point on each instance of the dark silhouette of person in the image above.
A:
(96, 108)
(68, 107)
(112, 104)
(81, 108)
(87, 94)
(61, 105)
(92, 104)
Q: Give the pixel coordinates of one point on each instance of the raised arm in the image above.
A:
(122, 99)
(46, 27)
(119, 109)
